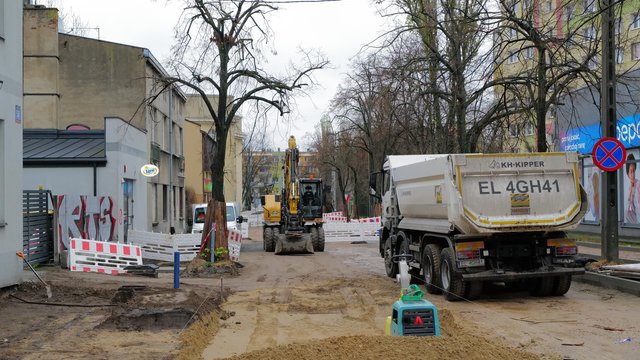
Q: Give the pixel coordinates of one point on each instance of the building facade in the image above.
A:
(579, 130)
(74, 83)
(571, 32)
(11, 118)
(198, 128)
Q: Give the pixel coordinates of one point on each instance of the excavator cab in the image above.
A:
(311, 199)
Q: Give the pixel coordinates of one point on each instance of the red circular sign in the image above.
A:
(609, 154)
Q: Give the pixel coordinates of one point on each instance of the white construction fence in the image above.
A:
(336, 228)
(160, 246)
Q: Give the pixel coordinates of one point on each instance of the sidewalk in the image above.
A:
(594, 250)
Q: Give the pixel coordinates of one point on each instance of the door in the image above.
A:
(127, 206)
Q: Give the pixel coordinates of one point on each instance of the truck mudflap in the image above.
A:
(497, 275)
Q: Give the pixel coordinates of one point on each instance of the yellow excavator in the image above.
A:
(293, 220)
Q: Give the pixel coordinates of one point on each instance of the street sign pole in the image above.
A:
(609, 239)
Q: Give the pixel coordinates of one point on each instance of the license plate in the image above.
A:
(470, 263)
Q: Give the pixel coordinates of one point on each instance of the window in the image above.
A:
(514, 7)
(590, 33)
(155, 126)
(589, 6)
(181, 205)
(549, 33)
(512, 34)
(619, 55)
(231, 214)
(635, 51)
(513, 57)
(550, 6)
(617, 26)
(165, 202)
(528, 53)
(569, 10)
(513, 130)
(635, 21)
(528, 129)
(592, 63)
(173, 201)
(154, 206)
(166, 131)
(180, 141)
(526, 6)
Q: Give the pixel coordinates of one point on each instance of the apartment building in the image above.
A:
(571, 33)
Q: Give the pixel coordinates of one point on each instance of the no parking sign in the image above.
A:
(609, 154)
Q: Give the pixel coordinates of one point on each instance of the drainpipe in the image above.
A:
(95, 179)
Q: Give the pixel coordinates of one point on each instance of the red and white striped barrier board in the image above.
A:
(332, 215)
(370, 220)
(102, 257)
(235, 243)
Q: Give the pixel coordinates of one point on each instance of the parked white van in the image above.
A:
(199, 211)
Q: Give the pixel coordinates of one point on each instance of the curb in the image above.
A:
(610, 282)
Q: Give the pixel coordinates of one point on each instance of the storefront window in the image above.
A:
(591, 181)
(631, 193)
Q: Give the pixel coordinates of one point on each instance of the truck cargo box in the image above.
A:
(488, 193)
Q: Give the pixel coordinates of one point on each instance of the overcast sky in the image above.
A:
(337, 29)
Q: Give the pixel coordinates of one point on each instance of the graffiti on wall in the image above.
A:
(86, 217)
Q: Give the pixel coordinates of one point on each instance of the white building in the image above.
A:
(10, 142)
(102, 163)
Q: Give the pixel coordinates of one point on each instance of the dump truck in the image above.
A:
(293, 220)
(468, 219)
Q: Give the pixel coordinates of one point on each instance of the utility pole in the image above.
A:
(608, 119)
(172, 229)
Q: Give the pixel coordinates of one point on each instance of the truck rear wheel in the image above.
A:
(390, 266)
(542, 286)
(561, 285)
(431, 268)
(269, 239)
(452, 285)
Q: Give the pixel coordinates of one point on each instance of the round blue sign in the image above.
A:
(609, 154)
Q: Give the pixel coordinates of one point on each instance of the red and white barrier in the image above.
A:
(370, 220)
(102, 257)
(235, 243)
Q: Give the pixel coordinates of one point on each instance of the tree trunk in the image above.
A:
(541, 103)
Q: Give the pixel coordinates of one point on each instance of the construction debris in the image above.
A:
(627, 271)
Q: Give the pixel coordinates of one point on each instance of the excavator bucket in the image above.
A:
(296, 243)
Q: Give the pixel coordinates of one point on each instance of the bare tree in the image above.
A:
(544, 61)
(254, 159)
(219, 50)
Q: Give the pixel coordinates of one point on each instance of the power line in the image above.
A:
(282, 1)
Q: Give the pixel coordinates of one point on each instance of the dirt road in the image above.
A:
(330, 305)
(344, 292)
